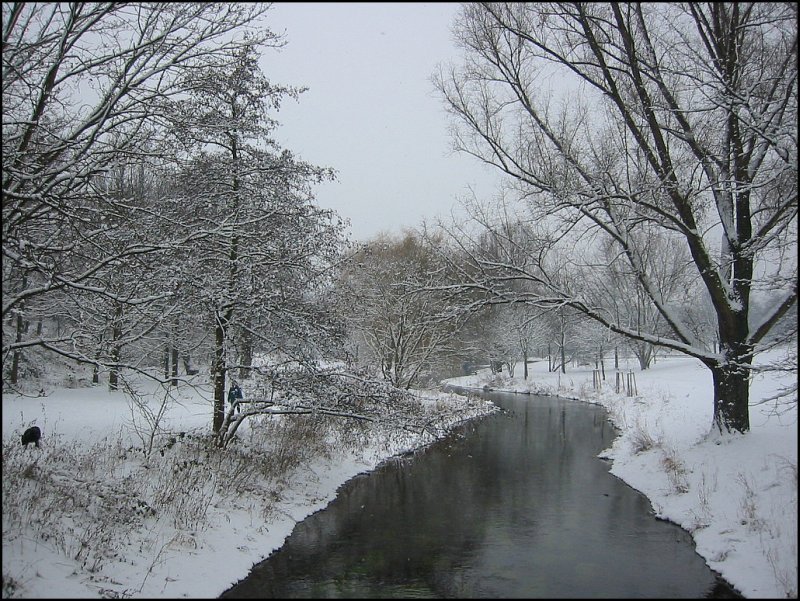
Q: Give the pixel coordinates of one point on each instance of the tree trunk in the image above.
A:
(246, 354)
(732, 375)
(219, 375)
(116, 336)
(644, 353)
(174, 364)
(96, 368)
(602, 363)
(174, 351)
(525, 363)
(731, 398)
(220, 365)
(14, 376)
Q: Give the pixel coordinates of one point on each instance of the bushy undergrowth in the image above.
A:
(84, 500)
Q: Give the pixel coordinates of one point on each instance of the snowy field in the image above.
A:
(737, 496)
(175, 526)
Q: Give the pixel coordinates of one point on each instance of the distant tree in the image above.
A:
(594, 342)
(494, 336)
(667, 263)
(402, 328)
(510, 333)
(677, 118)
(563, 327)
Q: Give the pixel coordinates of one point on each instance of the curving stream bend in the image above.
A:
(516, 504)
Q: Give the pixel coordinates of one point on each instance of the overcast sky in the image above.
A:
(371, 111)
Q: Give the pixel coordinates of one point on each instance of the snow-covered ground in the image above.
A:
(185, 523)
(736, 495)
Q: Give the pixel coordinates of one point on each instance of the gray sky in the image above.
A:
(371, 111)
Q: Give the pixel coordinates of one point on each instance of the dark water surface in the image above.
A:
(516, 505)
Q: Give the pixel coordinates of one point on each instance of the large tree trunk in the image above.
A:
(731, 398)
(732, 375)
(644, 353)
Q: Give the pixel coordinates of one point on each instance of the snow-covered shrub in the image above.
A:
(279, 444)
(641, 438)
(676, 470)
(74, 497)
(707, 487)
(147, 412)
(748, 504)
(10, 587)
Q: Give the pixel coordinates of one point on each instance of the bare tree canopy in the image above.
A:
(148, 212)
(626, 127)
(398, 323)
(85, 87)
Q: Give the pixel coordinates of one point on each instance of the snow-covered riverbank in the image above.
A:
(737, 495)
(86, 516)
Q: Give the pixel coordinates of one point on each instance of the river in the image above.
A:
(516, 504)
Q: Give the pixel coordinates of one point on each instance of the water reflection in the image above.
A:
(518, 505)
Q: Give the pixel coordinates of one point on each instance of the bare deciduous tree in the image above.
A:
(85, 86)
(679, 118)
(402, 325)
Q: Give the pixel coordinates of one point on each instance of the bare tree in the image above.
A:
(85, 86)
(667, 264)
(679, 118)
(402, 326)
(269, 242)
(510, 333)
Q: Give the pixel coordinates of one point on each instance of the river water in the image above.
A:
(514, 505)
